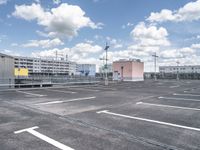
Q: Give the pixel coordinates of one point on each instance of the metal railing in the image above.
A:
(41, 81)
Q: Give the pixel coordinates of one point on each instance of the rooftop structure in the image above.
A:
(128, 70)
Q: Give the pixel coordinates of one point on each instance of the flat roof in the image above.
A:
(5, 55)
(129, 60)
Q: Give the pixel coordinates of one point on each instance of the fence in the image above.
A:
(41, 81)
(182, 76)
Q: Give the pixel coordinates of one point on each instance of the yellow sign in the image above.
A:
(21, 72)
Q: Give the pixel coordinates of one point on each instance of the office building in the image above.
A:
(180, 69)
(39, 66)
(86, 69)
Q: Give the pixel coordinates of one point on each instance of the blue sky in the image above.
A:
(80, 28)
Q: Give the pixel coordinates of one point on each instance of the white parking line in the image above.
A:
(44, 138)
(185, 94)
(70, 100)
(85, 89)
(174, 86)
(187, 91)
(28, 93)
(67, 92)
(180, 99)
(149, 120)
(101, 88)
(168, 106)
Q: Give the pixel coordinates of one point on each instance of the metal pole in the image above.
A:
(155, 57)
(106, 78)
(102, 68)
(177, 75)
(106, 73)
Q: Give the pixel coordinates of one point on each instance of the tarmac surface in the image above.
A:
(121, 116)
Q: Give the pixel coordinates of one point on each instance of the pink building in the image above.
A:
(128, 70)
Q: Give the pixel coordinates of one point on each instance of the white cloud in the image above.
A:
(150, 36)
(172, 53)
(44, 43)
(187, 50)
(196, 46)
(63, 21)
(37, 1)
(81, 51)
(9, 52)
(127, 25)
(178, 53)
(40, 33)
(189, 12)
(51, 53)
(3, 2)
(57, 1)
(14, 44)
(86, 49)
(114, 43)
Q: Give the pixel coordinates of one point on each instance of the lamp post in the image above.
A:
(155, 58)
(177, 74)
(106, 66)
(102, 69)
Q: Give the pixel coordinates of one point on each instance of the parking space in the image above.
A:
(124, 115)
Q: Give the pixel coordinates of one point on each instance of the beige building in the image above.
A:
(128, 70)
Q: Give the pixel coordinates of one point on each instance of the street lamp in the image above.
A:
(106, 67)
(177, 74)
(102, 68)
(155, 57)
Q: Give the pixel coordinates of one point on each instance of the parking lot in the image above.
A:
(121, 116)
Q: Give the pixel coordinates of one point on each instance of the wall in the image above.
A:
(6, 69)
(132, 70)
(137, 71)
(21, 72)
(86, 69)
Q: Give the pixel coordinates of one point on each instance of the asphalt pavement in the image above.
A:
(145, 115)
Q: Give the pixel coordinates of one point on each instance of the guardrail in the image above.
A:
(45, 84)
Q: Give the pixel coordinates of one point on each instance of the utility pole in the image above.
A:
(103, 72)
(106, 67)
(155, 58)
(177, 74)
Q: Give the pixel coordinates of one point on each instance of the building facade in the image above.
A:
(45, 66)
(128, 70)
(6, 69)
(179, 69)
(86, 69)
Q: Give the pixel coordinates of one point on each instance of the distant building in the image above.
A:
(6, 69)
(109, 69)
(39, 66)
(128, 70)
(180, 69)
(86, 69)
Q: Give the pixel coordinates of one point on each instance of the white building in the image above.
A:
(45, 66)
(180, 69)
(86, 69)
